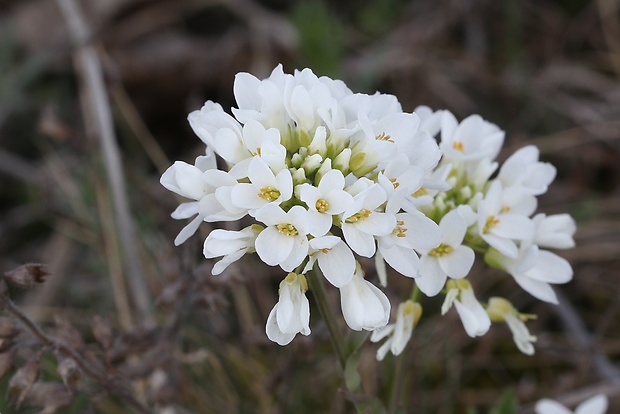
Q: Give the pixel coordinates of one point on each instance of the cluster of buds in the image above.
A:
(328, 175)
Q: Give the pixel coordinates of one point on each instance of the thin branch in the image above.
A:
(89, 68)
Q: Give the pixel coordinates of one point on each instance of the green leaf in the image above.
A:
(507, 404)
(352, 377)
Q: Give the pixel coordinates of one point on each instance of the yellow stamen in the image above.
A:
(458, 145)
(394, 183)
(400, 230)
(359, 216)
(420, 192)
(383, 137)
(441, 250)
(287, 229)
(269, 193)
(321, 205)
(491, 222)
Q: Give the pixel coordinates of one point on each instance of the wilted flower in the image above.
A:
(501, 310)
(473, 316)
(399, 333)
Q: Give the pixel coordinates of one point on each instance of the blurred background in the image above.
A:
(545, 71)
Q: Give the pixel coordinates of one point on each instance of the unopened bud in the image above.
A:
(357, 161)
(299, 177)
(303, 137)
(312, 163)
(342, 161)
(323, 169)
(318, 144)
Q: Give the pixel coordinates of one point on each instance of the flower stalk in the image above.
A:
(320, 297)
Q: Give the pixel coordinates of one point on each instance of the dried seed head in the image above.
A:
(68, 369)
(24, 378)
(28, 275)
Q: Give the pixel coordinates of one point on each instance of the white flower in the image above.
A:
(471, 140)
(407, 316)
(324, 201)
(400, 174)
(449, 259)
(555, 231)
(261, 100)
(306, 99)
(364, 306)
(430, 121)
(264, 188)
(473, 316)
(501, 310)
(284, 242)
(523, 169)
(204, 184)
(432, 183)
(291, 315)
(362, 222)
(499, 228)
(594, 405)
(220, 131)
(230, 244)
(336, 260)
(413, 230)
(262, 142)
(534, 269)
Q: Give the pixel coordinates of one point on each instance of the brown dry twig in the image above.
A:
(111, 384)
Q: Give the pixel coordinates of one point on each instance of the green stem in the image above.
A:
(320, 296)
(398, 384)
(415, 293)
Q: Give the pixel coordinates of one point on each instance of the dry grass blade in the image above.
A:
(100, 114)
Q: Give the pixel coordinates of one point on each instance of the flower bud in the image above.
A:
(299, 177)
(342, 161)
(302, 137)
(318, 144)
(311, 163)
(323, 169)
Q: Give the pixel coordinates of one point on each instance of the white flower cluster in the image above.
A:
(327, 175)
(494, 218)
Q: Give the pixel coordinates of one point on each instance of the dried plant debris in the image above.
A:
(23, 379)
(27, 275)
